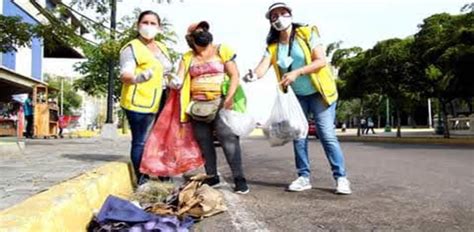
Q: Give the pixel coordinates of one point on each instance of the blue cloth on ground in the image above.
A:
(116, 210)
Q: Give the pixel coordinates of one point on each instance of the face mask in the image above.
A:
(202, 38)
(285, 62)
(148, 31)
(282, 23)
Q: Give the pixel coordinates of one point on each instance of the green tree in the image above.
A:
(14, 33)
(395, 73)
(341, 55)
(354, 83)
(95, 76)
(72, 100)
(444, 46)
(332, 47)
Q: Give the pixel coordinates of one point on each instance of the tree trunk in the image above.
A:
(378, 120)
(445, 118)
(399, 123)
(413, 121)
(469, 104)
(451, 107)
(360, 116)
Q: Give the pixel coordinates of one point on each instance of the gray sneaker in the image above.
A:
(300, 184)
(343, 186)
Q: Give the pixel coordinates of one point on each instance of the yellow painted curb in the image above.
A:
(69, 206)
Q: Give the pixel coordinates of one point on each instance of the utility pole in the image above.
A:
(62, 96)
(109, 130)
(110, 93)
(430, 120)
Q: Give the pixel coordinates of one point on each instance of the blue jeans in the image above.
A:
(324, 117)
(140, 125)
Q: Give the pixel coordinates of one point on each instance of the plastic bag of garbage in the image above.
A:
(171, 148)
(241, 124)
(287, 120)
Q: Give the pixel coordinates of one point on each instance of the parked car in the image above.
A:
(312, 130)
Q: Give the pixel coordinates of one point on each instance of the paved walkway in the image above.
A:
(48, 162)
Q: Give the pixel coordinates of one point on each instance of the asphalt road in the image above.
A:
(395, 187)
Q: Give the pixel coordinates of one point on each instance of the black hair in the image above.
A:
(148, 12)
(190, 38)
(274, 35)
(190, 42)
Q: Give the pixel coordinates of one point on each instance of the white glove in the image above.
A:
(251, 76)
(144, 76)
(174, 81)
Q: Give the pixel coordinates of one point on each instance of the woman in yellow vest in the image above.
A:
(298, 59)
(203, 71)
(143, 62)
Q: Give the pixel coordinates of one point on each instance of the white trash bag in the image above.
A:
(241, 124)
(287, 120)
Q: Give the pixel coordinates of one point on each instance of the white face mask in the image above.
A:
(282, 23)
(148, 31)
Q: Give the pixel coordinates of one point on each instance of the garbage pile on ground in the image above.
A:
(160, 206)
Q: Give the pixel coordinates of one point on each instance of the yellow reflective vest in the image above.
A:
(322, 79)
(144, 97)
(225, 53)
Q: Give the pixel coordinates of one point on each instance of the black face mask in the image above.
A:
(202, 38)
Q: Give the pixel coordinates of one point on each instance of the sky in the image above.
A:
(242, 25)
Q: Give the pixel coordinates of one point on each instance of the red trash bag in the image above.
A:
(171, 148)
(63, 121)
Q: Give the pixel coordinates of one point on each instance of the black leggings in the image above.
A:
(204, 134)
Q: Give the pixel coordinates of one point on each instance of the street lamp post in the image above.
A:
(388, 128)
(109, 130)
(110, 92)
(430, 120)
(62, 97)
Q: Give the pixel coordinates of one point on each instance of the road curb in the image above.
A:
(69, 206)
(409, 140)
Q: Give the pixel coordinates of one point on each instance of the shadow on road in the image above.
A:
(267, 184)
(95, 157)
(327, 190)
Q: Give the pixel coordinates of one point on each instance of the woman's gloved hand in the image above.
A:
(144, 76)
(174, 81)
(251, 76)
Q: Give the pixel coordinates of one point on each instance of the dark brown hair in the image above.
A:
(149, 12)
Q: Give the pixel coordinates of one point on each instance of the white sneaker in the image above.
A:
(343, 186)
(300, 184)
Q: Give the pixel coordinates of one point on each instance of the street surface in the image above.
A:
(399, 187)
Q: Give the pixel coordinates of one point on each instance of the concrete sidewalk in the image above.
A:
(48, 162)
